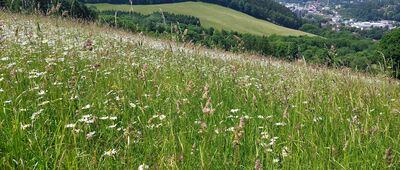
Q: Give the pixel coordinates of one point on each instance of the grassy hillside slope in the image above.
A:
(211, 15)
(78, 96)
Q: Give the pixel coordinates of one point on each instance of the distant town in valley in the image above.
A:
(334, 14)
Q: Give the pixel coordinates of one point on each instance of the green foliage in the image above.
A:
(343, 49)
(390, 46)
(71, 8)
(373, 10)
(373, 33)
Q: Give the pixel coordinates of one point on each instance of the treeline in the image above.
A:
(343, 49)
(154, 23)
(263, 9)
(70, 8)
(373, 33)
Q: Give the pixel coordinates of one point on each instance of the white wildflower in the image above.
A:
(90, 135)
(216, 131)
(247, 117)
(316, 119)
(112, 126)
(5, 59)
(45, 41)
(104, 118)
(231, 129)
(77, 130)
(74, 97)
(162, 117)
(272, 141)
(285, 151)
(36, 114)
(264, 135)
(234, 110)
(44, 103)
(280, 124)
(11, 65)
(88, 119)
(143, 167)
(86, 107)
(41, 93)
(24, 126)
(70, 125)
(113, 118)
(110, 152)
(133, 105)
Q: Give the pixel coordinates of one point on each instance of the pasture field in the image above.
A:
(210, 15)
(79, 96)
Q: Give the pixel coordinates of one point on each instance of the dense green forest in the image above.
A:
(71, 8)
(390, 46)
(264, 9)
(373, 10)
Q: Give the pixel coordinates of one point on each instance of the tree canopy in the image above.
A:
(71, 8)
(390, 46)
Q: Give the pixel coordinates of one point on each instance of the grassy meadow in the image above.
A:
(210, 15)
(79, 96)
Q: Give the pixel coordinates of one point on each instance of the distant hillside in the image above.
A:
(263, 9)
(216, 16)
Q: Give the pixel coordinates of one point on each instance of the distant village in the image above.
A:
(331, 16)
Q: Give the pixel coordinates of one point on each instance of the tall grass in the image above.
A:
(79, 96)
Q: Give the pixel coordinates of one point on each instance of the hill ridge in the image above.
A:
(268, 10)
(217, 16)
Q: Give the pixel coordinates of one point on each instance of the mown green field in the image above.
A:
(76, 96)
(211, 15)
